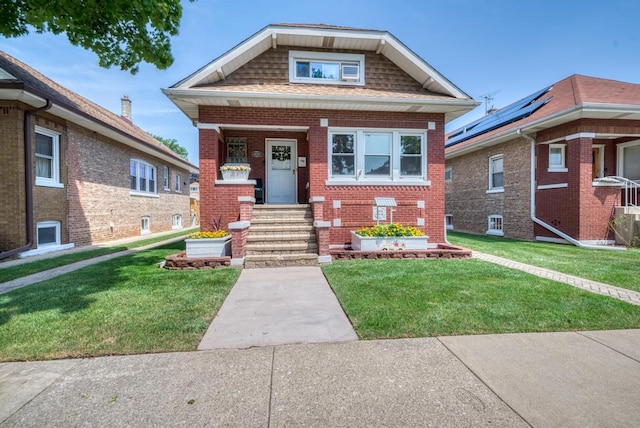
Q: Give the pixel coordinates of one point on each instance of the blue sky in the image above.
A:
(506, 47)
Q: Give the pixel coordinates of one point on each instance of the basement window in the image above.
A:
(326, 68)
(495, 225)
(48, 233)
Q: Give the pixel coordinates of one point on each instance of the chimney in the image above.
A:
(126, 108)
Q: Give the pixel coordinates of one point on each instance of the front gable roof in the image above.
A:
(573, 98)
(202, 88)
(20, 82)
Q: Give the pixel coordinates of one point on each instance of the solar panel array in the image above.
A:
(512, 113)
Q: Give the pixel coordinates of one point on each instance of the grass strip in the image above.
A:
(420, 298)
(19, 271)
(121, 306)
(620, 268)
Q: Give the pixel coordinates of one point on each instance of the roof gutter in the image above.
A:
(28, 179)
(535, 219)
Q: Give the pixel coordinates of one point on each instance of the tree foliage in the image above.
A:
(172, 143)
(122, 33)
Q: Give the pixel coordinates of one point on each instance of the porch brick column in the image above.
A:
(322, 236)
(209, 159)
(317, 206)
(246, 207)
(239, 233)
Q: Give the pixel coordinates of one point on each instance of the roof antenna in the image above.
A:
(488, 101)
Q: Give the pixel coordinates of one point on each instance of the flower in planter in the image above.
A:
(389, 230)
(208, 235)
(235, 168)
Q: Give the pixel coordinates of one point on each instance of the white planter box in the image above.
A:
(208, 247)
(235, 175)
(361, 243)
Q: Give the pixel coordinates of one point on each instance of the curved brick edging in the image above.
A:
(181, 261)
(443, 251)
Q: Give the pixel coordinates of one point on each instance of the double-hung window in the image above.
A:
(165, 177)
(373, 156)
(326, 68)
(47, 158)
(142, 177)
(178, 183)
(496, 173)
(557, 158)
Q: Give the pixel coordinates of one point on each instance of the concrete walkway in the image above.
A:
(512, 380)
(275, 306)
(623, 294)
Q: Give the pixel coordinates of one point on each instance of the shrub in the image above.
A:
(389, 230)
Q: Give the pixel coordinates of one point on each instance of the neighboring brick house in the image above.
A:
(556, 166)
(90, 175)
(332, 115)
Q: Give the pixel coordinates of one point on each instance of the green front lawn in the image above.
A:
(621, 268)
(417, 298)
(122, 306)
(7, 274)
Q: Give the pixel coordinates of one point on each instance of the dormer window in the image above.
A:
(326, 68)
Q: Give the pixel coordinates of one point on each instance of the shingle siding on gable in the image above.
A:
(272, 67)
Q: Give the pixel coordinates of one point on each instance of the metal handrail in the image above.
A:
(630, 189)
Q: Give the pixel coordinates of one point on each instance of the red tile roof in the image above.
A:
(572, 91)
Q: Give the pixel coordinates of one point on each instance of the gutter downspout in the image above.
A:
(28, 179)
(536, 220)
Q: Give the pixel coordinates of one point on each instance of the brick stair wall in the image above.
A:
(281, 235)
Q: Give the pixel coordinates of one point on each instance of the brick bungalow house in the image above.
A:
(326, 115)
(556, 166)
(74, 173)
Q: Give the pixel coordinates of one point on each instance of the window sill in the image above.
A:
(46, 249)
(144, 195)
(167, 189)
(606, 184)
(335, 182)
(176, 227)
(49, 183)
(495, 232)
(449, 227)
(496, 190)
(553, 186)
(557, 170)
(145, 232)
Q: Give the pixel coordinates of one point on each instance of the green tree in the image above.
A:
(172, 143)
(121, 32)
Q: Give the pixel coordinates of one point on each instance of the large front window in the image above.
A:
(629, 161)
(47, 158)
(377, 156)
(142, 177)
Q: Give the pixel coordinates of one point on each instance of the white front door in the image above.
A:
(281, 172)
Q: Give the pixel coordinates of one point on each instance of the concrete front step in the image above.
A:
(281, 236)
(282, 248)
(282, 260)
(281, 228)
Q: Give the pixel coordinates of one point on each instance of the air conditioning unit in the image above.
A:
(350, 72)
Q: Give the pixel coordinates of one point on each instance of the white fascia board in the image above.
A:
(455, 104)
(225, 58)
(220, 126)
(610, 108)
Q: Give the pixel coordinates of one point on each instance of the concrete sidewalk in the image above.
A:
(276, 306)
(512, 380)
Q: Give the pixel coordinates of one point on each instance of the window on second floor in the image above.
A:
(178, 187)
(326, 67)
(165, 177)
(142, 177)
(496, 173)
(47, 158)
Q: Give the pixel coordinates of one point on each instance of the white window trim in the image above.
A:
(178, 183)
(448, 170)
(359, 178)
(620, 155)
(138, 192)
(173, 221)
(166, 177)
(338, 58)
(55, 180)
(146, 231)
(43, 224)
(562, 167)
(491, 188)
(553, 186)
(601, 156)
(446, 222)
(496, 232)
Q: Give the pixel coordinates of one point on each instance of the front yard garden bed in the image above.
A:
(181, 261)
(443, 251)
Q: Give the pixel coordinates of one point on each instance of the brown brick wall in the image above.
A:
(95, 174)
(470, 204)
(357, 200)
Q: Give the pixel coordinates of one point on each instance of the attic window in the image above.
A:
(326, 68)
